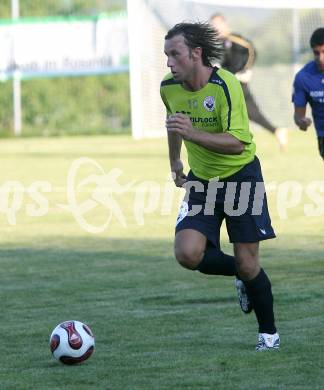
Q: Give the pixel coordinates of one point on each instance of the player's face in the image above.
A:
(319, 56)
(179, 56)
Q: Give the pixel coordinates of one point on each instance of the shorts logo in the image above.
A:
(209, 103)
(182, 212)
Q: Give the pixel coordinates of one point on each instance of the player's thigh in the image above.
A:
(253, 222)
(194, 218)
(189, 247)
(194, 226)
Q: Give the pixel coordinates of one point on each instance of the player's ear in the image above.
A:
(196, 53)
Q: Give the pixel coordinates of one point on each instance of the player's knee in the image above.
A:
(247, 271)
(188, 256)
(247, 266)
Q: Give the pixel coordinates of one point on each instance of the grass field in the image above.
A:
(157, 326)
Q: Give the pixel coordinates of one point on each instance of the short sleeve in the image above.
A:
(299, 95)
(234, 114)
(165, 102)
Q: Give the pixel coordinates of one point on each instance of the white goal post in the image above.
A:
(146, 68)
(280, 30)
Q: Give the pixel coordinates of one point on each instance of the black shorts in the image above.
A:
(239, 199)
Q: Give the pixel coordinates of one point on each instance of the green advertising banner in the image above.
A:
(63, 46)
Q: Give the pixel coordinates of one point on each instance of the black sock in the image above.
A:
(260, 294)
(215, 262)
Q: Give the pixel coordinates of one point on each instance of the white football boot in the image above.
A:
(268, 342)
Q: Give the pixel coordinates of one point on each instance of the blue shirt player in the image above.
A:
(309, 88)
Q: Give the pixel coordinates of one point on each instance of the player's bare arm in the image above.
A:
(224, 143)
(176, 165)
(300, 118)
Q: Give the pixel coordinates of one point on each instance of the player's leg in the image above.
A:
(321, 146)
(189, 248)
(245, 232)
(197, 234)
(193, 251)
(259, 291)
(255, 115)
(216, 262)
(197, 245)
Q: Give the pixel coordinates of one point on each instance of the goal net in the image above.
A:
(280, 31)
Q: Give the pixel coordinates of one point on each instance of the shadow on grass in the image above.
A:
(152, 257)
(144, 270)
(172, 301)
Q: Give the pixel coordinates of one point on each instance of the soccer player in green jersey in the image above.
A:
(206, 110)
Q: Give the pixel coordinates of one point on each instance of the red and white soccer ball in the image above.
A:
(72, 342)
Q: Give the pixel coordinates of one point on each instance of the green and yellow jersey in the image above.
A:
(218, 107)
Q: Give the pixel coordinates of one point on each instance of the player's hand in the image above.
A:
(180, 124)
(177, 173)
(304, 123)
